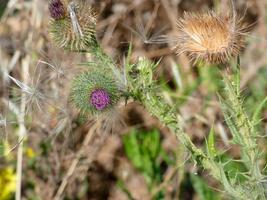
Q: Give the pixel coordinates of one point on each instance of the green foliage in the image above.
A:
(210, 78)
(144, 150)
(180, 95)
(146, 91)
(202, 189)
(211, 149)
(241, 126)
(256, 118)
(2, 148)
(3, 5)
(45, 147)
(245, 135)
(5, 148)
(235, 170)
(256, 95)
(132, 150)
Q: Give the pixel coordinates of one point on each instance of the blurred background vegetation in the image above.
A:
(141, 159)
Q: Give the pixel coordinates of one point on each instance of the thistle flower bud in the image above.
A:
(74, 30)
(95, 92)
(56, 9)
(210, 37)
(100, 99)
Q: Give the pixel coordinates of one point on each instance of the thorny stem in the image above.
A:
(246, 135)
(143, 90)
(156, 107)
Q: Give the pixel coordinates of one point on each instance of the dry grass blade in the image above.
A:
(95, 138)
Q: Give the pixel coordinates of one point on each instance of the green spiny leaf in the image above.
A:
(212, 152)
(258, 110)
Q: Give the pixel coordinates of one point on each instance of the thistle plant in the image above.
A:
(207, 37)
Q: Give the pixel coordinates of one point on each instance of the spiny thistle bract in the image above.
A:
(95, 92)
(210, 37)
(72, 25)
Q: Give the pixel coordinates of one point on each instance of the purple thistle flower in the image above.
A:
(100, 99)
(57, 10)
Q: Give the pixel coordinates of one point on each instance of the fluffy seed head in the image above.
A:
(76, 30)
(56, 9)
(100, 99)
(95, 92)
(210, 37)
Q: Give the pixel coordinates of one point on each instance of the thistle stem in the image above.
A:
(245, 134)
(143, 89)
(22, 130)
(156, 107)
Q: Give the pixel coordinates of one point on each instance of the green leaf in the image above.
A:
(258, 110)
(148, 168)
(3, 4)
(202, 189)
(132, 149)
(45, 147)
(152, 143)
(235, 170)
(237, 75)
(2, 148)
(211, 144)
(143, 149)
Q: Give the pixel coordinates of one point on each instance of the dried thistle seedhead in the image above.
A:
(210, 37)
(74, 30)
